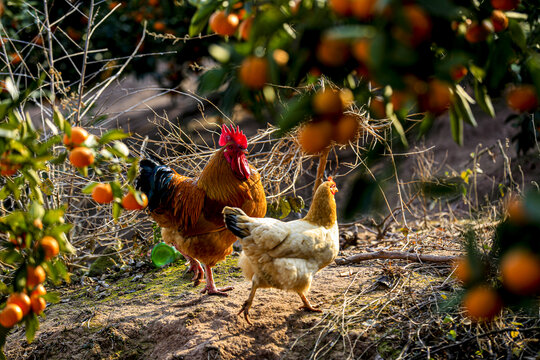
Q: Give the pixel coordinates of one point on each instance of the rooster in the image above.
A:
(286, 255)
(189, 209)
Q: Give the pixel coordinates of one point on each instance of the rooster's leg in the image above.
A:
(195, 266)
(247, 304)
(307, 305)
(211, 287)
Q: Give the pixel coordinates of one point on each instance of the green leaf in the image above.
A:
(211, 80)
(111, 135)
(533, 64)
(53, 216)
(36, 211)
(483, 99)
(3, 335)
(284, 208)
(463, 109)
(51, 297)
(517, 34)
(132, 172)
(10, 256)
(200, 18)
(116, 210)
(399, 128)
(61, 270)
(89, 187)
(426, 124)
(116, 189)
(31, 326)
(456, 126)
(60, 122)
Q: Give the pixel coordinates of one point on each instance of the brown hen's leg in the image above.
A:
(307, 305)
(247, 304)
(195, 266)
(210, 287)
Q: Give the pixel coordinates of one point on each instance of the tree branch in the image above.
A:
(395, 255)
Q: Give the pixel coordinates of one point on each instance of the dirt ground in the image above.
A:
(139, 312)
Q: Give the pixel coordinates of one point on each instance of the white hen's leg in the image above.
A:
(307, 305)
(210, 287)
(247, 304)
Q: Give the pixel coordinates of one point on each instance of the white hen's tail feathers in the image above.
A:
(234, 220)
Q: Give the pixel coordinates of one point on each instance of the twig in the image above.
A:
(83, 70)
(395, 255)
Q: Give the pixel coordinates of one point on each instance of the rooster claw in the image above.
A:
(215, 291)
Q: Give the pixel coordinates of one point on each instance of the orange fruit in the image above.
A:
(499, 20)
(399, 99)
(15, 58)
(437, 97)
(223, 24)
(34, 276)
(49, 246)
(477, 32)
(516, 212)
(159, 26)
(504, 4)
(78, 136)
(522, 98)
(419, 22)
(281, 57)
(315, 136)
(341, 7)
(38, 304)
(360, 50)
(21, 300)
(377, 107)
(253, 72)
(153, 2)
(38, 223)
(129, 202)
(7, 168)
(363, 9)
(346, 129)
(347, 97)
(332, 52)
(327, 102)
(458, 72)
(482, 303)
(462, 270)
(10, 316)
(245, 28)
(102, 193)
(520, 271)
(81, 157)
(38, 291)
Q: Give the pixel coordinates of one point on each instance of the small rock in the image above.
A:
(137, 277)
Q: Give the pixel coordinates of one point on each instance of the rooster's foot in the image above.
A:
(198, 272)
(245, 310)
(216, 291)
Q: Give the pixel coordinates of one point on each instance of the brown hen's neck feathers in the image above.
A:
(322, 211)
(218, 181)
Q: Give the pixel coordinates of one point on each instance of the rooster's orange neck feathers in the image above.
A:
(228, 187)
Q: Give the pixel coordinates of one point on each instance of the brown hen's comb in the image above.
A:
(232, 134)
(331, 179)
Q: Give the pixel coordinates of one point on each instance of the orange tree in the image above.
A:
(33, 227)
(409, 61)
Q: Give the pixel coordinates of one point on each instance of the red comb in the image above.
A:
(232, 134)
(331, 179)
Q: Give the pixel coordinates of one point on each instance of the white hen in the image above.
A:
(286, 255)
